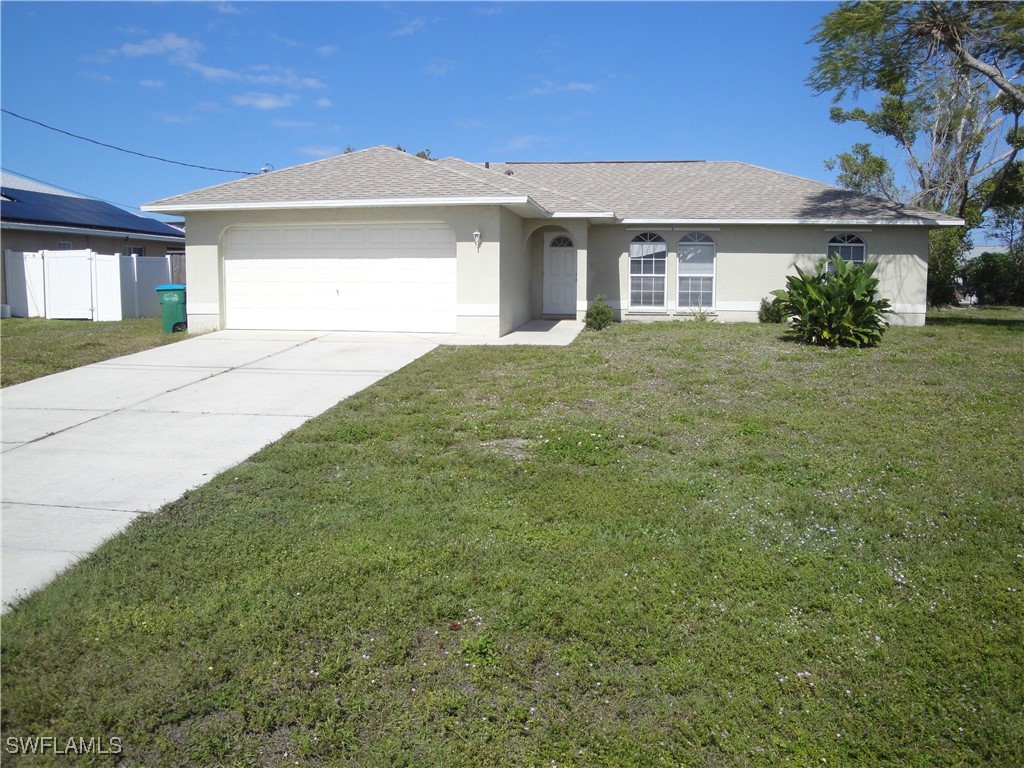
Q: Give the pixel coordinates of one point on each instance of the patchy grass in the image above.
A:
(33, 347)
(670, 544)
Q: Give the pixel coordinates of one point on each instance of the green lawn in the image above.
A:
(33, 347)
(672, 544)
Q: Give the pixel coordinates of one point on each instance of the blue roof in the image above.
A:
(21, 205)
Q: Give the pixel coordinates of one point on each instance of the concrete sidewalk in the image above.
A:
(87, 450)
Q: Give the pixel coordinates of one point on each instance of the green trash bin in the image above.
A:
(172, 307)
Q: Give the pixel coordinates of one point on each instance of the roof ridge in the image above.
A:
(464, 175)
(599, 162)
(529, 182)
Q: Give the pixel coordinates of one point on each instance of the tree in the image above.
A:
(863, 171)
(945, 77)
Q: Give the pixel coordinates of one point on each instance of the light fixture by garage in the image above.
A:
(476, 239)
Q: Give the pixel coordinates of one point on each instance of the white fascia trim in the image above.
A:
(583, 215)
(814, 222)
(57, 229)
(383, 202)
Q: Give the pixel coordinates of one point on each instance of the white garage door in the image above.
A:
(341, 278)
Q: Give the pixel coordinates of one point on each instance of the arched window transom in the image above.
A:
(561, 241)
(696, 271)
(648, 256)
(849, 247)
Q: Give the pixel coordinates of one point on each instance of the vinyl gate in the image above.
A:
(83, 285)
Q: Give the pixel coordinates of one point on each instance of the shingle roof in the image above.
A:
(379, 173)
(637, 191)
(709, 191)
(550, 199)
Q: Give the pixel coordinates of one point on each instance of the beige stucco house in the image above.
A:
(383, 240)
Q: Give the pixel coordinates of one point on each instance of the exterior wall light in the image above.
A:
(476, 239)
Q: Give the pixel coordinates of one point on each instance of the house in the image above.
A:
(37, 219)
(382, 240)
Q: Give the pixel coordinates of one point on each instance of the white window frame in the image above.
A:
(638, 263)
(847, 246)
(135, 250)
(561, 241)
(690, 239)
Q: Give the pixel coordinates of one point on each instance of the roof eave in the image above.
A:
(514, 202)
(583, 215)
(905, 222)
(73, 230)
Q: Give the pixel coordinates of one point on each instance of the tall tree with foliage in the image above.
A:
(945, 79)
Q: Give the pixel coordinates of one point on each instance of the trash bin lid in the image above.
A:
(170, 287)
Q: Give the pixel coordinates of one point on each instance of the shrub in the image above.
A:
(946, 250)
(771, 311)
(835, 305)
(599, 315)
(996, 278)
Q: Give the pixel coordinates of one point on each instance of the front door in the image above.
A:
(559, 276)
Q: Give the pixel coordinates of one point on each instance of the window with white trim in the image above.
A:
(696, 271)
(64, 245)
(135, 250)
(849, 247)
(648, 257)
(561, 241)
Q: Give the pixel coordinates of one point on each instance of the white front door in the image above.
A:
(559, 276)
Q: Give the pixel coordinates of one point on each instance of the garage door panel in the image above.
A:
(388, 278)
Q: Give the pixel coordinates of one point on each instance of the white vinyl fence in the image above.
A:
(83, 285)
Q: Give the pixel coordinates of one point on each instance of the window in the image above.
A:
(850, 247)
(561, 241)
(135, 250)
(64, 245)
(696, 271)
(648, 255)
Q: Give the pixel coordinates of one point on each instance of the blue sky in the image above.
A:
(237, 85)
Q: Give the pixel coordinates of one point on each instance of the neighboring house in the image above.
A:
(36, 217)
(383, 240)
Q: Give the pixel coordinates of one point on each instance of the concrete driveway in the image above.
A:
(88, 450)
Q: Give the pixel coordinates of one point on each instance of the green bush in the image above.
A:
(946, 250)
(996, 278)
(771, 311)
(835, 305)
(599, 315)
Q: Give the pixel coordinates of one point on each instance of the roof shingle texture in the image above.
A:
(707, 190)
(371, 174)
(629, 190)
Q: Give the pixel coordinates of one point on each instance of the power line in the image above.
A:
(122, 149)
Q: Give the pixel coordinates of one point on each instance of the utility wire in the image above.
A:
(122, 149)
